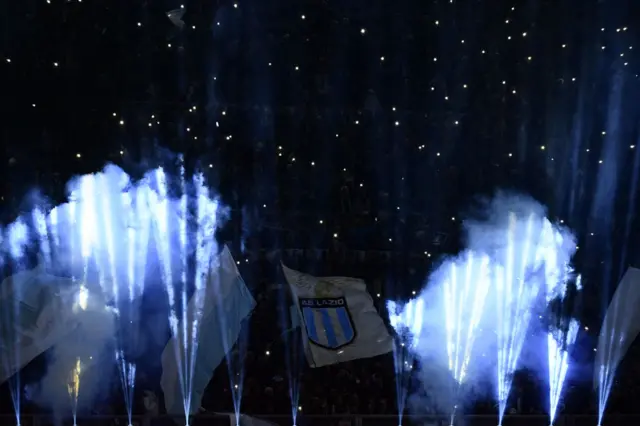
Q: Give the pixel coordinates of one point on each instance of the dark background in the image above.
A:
(347, 137)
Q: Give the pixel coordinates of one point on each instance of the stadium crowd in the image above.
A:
(272, 357)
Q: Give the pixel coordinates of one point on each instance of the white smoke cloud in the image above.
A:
(80, 367)
(479, 306)
(106, 241)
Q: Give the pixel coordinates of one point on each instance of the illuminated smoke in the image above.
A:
(558, 343)
(518, 285)
(17, 239)
(40, 224)
(14, 243)
(166, 212)
(460, 286)
(482, 301)
(101, 239)
(535, 259)
(407, 321)
(620, 327)
(563, 331)
(465, 288)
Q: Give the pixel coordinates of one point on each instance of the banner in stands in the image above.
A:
(620, 327)
(227, 302)
(338, 320)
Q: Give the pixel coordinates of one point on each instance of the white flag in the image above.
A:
(339, 320)
(227, 302)
(175, 16)
(620, 327)
(36, 312)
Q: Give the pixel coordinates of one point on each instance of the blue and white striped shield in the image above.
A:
(328, 321)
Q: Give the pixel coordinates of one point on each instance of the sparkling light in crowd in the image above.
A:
(289, 321)
(620, 327)
(563, 334)
(465, 286)
(105, 240)
(159, 205)
(465, 283)
(516, 290)
(205, 248)
(103, 223)
(407, 321)
(127, 372)
(235, 357)
(73, 387)
(40, 224)
(558, 342)
(113, 200)
(16, 238)
(529, 262)
(513, 254)
(108, 238)
(137, 244)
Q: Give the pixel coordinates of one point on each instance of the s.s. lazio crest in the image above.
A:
(327, 321)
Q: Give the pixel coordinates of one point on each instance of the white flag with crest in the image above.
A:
(339, 321)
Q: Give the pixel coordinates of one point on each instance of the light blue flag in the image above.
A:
(35, 315)
(619, 329)
(227, 302)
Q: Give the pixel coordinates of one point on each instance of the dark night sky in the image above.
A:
(340, 125)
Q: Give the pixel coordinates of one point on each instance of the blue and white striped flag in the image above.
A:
(227, 302)
(339, 321)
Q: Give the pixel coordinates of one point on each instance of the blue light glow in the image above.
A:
(488, 296)
(166, 213)
(465, 292)
(561, 335)
(559, 363)
(620, 327)
(101, 238)
(407, 321)
(533, 261)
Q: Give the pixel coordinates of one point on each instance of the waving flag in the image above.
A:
(227, 302)
(175, 16)
(339, 320)
(35, 314)
(620, 327)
